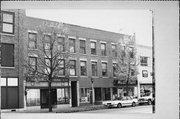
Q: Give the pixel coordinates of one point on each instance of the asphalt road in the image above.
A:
(139, 112)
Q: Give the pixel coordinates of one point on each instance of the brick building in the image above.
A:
(92, 53)
(12, 87)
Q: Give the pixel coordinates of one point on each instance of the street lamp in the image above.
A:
(92, 89)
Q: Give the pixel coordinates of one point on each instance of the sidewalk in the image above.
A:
(59, 109)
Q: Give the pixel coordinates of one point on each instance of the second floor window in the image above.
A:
(7, 55)
(114, 69)
(82, 49)
(94, 68)
(62, 67)
(32, 37)
(104, 69)
(7, 21)
(33, 62)
(114, 50)
(72, 69)
(144, 61)
(61, 44)
(72, 48)
(93, 48)
(103, 49)
(83, 68)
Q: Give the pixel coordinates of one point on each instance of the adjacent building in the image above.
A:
(93, 54)
(145, 70)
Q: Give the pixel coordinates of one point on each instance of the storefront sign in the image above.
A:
(125, 82)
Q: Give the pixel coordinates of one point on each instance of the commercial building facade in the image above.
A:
(145, 70)
(93, 54)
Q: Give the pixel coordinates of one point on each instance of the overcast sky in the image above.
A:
(120, 21)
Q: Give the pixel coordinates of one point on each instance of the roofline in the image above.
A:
(78, 26)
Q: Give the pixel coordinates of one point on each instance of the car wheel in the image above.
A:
(133, 104)
(119, 105)
(149, 102)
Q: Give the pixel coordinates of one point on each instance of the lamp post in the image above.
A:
(92, 89)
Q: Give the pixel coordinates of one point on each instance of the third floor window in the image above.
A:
(7, 20)
(114, 50)
(82, 49)
(103, 49)
(93, 48)
(72, 45)
(61, 44)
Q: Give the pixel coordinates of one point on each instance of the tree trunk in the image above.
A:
(50, 103)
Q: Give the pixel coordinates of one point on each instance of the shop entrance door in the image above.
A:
(74, 93)
(44, 99)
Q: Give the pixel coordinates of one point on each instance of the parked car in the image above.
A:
(120, 102)
(147, 99)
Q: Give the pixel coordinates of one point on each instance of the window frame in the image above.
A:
(35, 41)
(74, 44)
(81, 48)
(103, 51)
(74, 67)
(62, 43)
(95, 49)
(145, 75)
(32, 57)
(103, 69)
(84, 67)
(96, 71)
(2, 22)
(142, 59)
(114, 50)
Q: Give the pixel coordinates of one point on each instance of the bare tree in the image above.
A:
(51, 57)
(127, 61)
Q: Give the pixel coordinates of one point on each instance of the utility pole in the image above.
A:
(153, 67)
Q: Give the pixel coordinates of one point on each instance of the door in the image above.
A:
(9, 97)
(12, 94)
(74, 93)
(44, 99)
(97, 92)
(3, 98)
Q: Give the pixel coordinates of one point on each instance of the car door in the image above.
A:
(124, 101)
(129, 101)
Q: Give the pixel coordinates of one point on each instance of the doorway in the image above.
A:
(44, 99)
(74, 93)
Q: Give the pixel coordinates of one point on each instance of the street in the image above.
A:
(138, 112)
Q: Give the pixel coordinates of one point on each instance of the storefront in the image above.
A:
(123, 89)
(145, 89)
(37, 93)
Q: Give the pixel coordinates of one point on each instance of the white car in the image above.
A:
(120, 102)
(148, 98)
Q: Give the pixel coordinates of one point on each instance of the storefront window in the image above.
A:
(85, 95)
(63, 96)
(33, 97)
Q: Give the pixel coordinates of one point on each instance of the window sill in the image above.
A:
(6, 34)
(7, 67)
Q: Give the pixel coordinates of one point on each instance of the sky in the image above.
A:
(114, 20)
